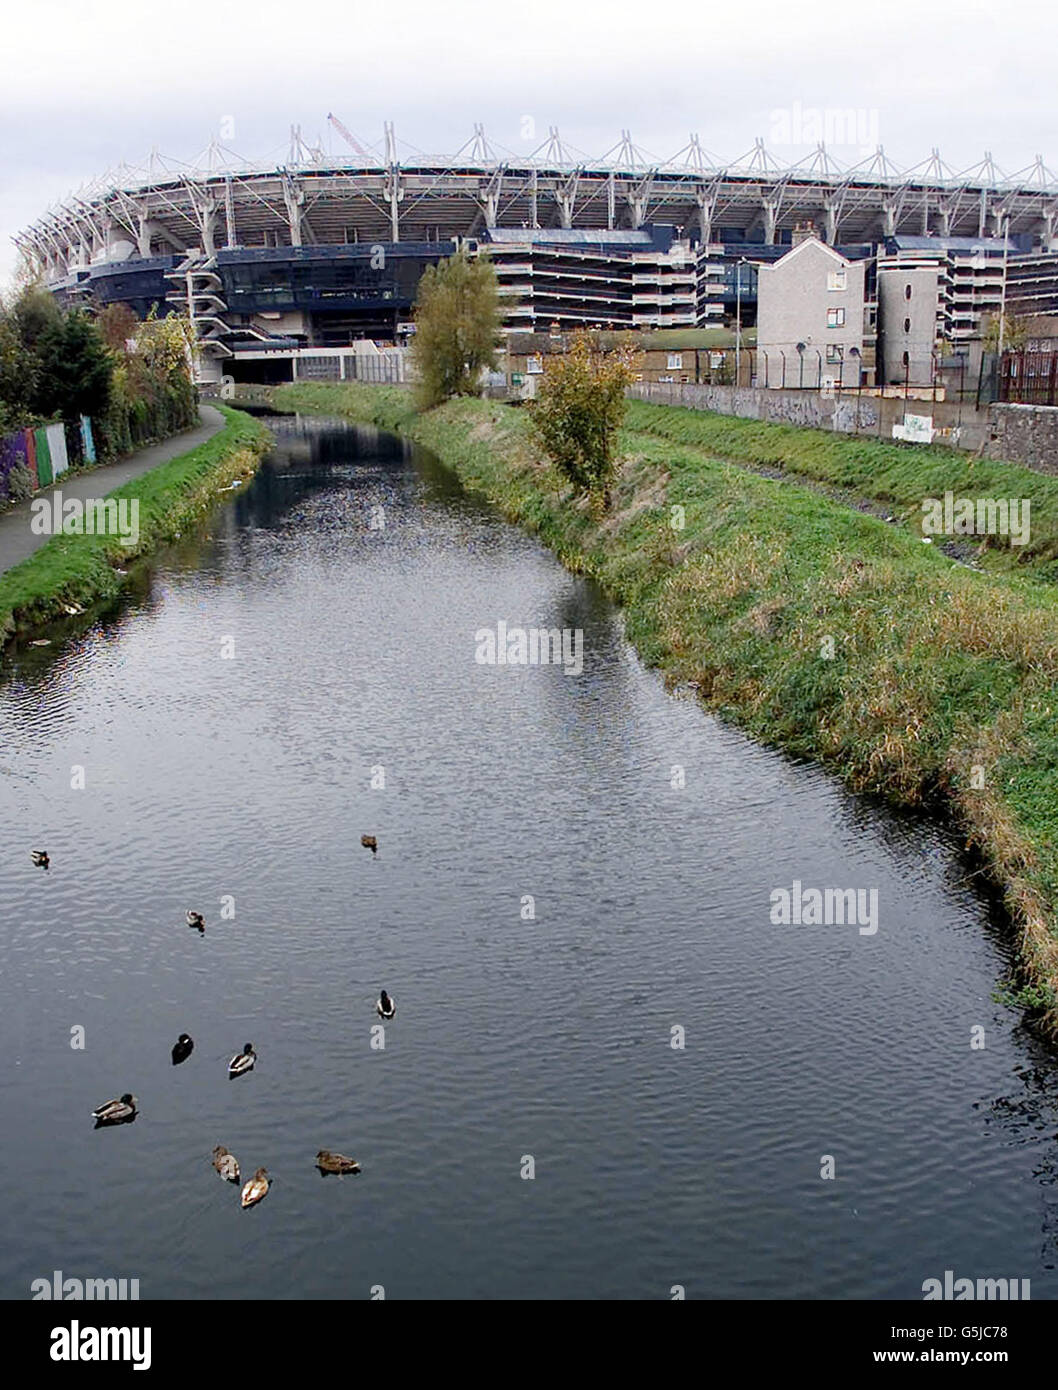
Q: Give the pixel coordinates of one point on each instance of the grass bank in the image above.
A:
(896, 475)
(75, 570)
(817, 628)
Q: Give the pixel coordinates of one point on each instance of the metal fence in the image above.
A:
(384, 369)
(1029, 378)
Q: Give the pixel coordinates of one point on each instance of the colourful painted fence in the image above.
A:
(57, 449)
(44, 474)
(37, 457)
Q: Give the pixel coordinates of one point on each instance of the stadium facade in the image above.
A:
(321, 253)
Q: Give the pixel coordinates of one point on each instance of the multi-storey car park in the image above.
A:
(318, 253)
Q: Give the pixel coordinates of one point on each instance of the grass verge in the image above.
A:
(942, 686)
(75, 570)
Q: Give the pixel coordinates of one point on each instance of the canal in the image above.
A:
(610, 1073)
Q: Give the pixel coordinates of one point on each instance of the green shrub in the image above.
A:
(579, 411)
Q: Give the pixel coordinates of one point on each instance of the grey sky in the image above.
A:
(85, 86)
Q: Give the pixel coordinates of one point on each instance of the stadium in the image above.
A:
(321, 253)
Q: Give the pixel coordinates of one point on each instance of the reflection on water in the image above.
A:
(245, 784)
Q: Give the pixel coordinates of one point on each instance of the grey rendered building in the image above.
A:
(810, 310)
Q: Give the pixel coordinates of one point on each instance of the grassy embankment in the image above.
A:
(892, 474)
(77, 570)
(937, 669)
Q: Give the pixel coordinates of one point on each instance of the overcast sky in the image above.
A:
(86, 85)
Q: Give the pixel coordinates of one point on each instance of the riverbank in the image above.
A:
(942, 686)
(72, 571)
(895, 476)
(18, 540)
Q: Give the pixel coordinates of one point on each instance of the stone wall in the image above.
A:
(1024, 433)
(953, 423)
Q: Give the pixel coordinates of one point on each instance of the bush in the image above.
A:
(20, 483)
(579, 411)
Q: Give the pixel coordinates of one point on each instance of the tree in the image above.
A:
(75, 368)
(35, 312)
(118, 325)
(24, 321)
(18, 375)
(1015, 332)
(579, 411)
(457, 321)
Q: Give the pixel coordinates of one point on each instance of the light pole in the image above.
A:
(1003, 292)
(738, 317)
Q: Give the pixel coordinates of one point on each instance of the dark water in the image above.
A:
(252, 776)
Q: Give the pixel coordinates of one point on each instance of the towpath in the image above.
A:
(18, 542)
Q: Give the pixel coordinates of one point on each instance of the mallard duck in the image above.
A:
(226, 1164)
(242, 1061)
(385, 1006)
(116, 1112)
(40, 858)
(182, 1049)
(196, 920)
(369, 842)
(328, 1162)
(256, 1188)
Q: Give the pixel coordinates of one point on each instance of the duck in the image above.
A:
(226, 1164)
(196, 920)
(40, 858)
(385, 1006)
(242, 1061)
(256, 1188)
(116, 1112)
(369, 842)
(182, 1049)
(328, 1162)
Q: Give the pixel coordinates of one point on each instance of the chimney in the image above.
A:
(803, 231)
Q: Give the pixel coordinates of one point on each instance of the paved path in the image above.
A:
(18, 542)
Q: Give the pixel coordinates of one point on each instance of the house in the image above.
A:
(810, 319)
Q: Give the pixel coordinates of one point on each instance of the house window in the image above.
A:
(833, 352)
(907, 325)
(836, 279)
(906, 359)
(835, 318)
(675, 361)
(907, 291)
(534, 366)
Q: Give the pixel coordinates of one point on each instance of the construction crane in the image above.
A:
(346, 135)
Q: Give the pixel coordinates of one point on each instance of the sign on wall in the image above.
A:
(916, 429)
